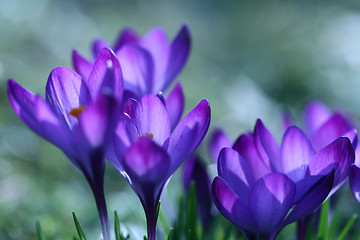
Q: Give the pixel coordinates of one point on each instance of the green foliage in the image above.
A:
(78, 228)
(40, 233)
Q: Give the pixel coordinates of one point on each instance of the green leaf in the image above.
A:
(171, 234)
(117, 227)
(145, 238)
(323, 233)
(78, 228)
(347, 227)
(191, 214)
(40, 233)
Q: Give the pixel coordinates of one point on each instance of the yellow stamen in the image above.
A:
(76, 112)
(149, 135)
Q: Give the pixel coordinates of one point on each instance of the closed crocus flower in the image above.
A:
(78, 116)
(147, 153)
(262, 187)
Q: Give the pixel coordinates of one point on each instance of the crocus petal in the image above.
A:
(245, 145)
(179, 53)
(81, 65)
(218, 140)
(106, 74)
(354, 179)
(151, 119)
(352, 136)
(236, 172)
(287, 120)
(137, 66)
(229, 205)
(66, 91)
(296, 153)
(188, 134)
(316, 114)
(146, 162)
(97, 46)
(125, 37)
(333, 128)
(38, 115)
(312, 199)
(175, 103)
(338, 155)
(270, 200)
(267, 147)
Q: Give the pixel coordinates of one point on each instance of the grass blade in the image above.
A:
(323, 231)
(40, 233)
(78, 228)
(347, 227)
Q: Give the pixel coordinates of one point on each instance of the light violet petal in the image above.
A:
(316, 114)
(287, 120)
(106, 75)
(81, 65)
(354, 180)
(218, 140)
(151, 119)
(126, 36)
(338, 155)
(97, 45)
(137, 68)
(189, 133)
(236, 173)
(245, 145)
(296, 153)
(230, 206)
(357, 155)
(175, 104)
(120, 143)
(270, 200)
(178, 55)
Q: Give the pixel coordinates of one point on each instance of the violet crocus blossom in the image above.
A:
(147, 153)
(262, 187)
(78, 116)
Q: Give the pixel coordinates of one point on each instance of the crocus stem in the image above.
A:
(302, 226)
(151, 222)
(102, 210)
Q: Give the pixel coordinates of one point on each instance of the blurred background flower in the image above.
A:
(249, 60)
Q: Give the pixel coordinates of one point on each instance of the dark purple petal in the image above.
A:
(296, 153)
(316, 114)
(338, 155)
(146, 162)
(151, 119)
(188, 134)
(354, 179)
(333, 128)
(125, 37)
(230, 206)
(66, 91)
(106, 74)
(236, 172)
(218, 140)
(266, 146)
(81, 65)
(178, 55)
(97, 46)
(175, 103)
(137, 68)
(270, 200)
(245, 145)
(313, 198)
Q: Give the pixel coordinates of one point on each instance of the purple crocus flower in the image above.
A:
(78, 116)
(147, 153)
(262, 187)
(218, 140)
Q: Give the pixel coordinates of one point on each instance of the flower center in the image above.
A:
(76, 112)
(149, 135)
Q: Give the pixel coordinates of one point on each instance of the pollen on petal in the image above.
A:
(76, 112)
(149, 135)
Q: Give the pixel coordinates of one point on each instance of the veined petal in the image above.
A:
(336, 126)
(245, 145)
(126, 36)
(81, 65)
(218, 140)
(178, 55)
(188, 134)
(151, 119)
(338, 155)
(316, 114)
(66, 91)
(229, 205)
(354, 179)
(106, 73)
(97, 45)
(120, 143)
(236, 173)
(138, 69)
(296, 153)
(175, 103)
(270, 200)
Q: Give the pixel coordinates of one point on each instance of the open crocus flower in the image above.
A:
(78, 117)
(262, 187)
(147, 153)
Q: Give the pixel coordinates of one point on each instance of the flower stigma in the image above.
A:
(76, 112)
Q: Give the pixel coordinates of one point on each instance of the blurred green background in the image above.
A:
(250, 59)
